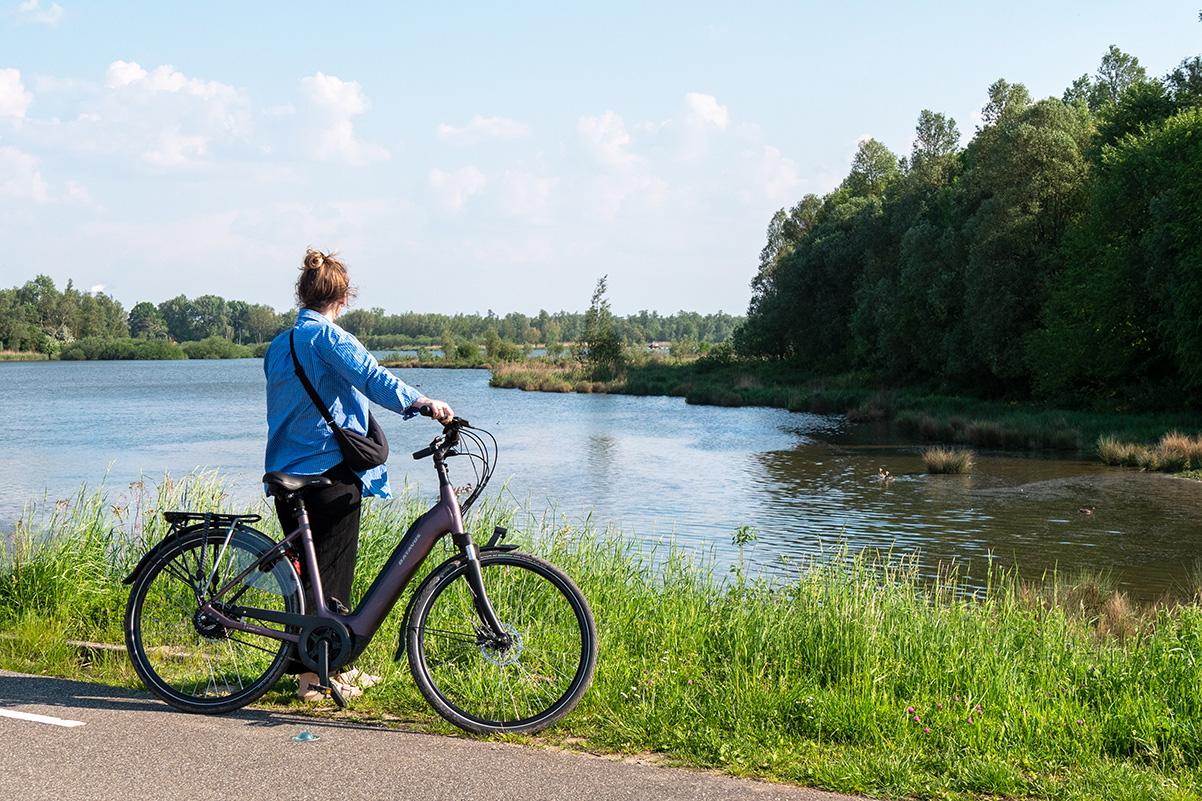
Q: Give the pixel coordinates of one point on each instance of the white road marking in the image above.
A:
(9, 713)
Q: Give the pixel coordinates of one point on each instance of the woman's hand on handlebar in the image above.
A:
(437, 409)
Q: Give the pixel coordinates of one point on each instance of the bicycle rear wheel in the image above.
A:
(195, 664)
(524, 687)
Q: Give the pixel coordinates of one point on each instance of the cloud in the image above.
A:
(481, 129)
(165, 79)
(338, 101)
(123, 73)
(165, 117)
(454, 189)
(176, 149)
(704, 110)
(34, 12)
(777, 175)
(14, 100)
(96, 290)
(77, 193)
(20, 177)
(606, 139)
(525, 195)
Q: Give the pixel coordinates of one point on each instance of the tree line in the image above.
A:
(1057, 256)
(37, 317)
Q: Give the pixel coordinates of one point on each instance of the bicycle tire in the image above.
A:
(521, 689)
(198, 666)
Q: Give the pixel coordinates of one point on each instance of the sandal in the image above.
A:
(308, 688)
(358, 678)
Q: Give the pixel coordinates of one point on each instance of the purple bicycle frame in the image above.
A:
(425, 532)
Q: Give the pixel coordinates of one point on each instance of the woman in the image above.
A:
(299, 441)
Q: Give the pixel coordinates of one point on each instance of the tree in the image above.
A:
(1185, 83)
(1116, 73)
(211, 317)
(785, 230)
(177, 314)
(261, 322)
(599, 347)
(873, 166)
(936, 140)
(145, 322)
(1005, 100)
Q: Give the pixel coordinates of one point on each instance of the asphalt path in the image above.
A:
(72, 740)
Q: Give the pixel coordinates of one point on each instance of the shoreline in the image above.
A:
(930, 417)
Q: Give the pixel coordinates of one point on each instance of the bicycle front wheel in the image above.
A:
(523, 687)
(195, 664)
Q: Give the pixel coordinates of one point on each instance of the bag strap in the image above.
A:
(300, 373)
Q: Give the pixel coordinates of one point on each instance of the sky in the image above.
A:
(467, 157)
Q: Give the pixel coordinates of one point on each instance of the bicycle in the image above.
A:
(497, 640)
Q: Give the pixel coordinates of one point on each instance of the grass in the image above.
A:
(948, 460)
(22, 356)
(850, 674)
(1174, 453)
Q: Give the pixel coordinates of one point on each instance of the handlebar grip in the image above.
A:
(425, 411)
(424, 452)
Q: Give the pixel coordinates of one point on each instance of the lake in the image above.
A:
(655, 467)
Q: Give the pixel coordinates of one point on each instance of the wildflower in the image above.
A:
(926, 730)
(970, 720)
(910, 710)
(916, 719)
(939, 706)
(1080, 723)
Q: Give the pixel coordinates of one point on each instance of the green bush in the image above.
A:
(216, 348)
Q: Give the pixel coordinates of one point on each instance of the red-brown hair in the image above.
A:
(323, 282)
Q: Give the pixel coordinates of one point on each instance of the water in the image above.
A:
(656, 467)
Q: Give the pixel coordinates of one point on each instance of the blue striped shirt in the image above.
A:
(346, 376)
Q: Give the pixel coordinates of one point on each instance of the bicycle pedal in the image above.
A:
(333, 692)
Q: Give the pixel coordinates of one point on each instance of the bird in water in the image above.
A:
(883, 475)
(1086, 511)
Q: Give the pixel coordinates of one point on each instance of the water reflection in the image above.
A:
(1034, 514)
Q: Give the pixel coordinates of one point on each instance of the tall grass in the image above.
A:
(948, 460)
(1174, 453)
(849, 673)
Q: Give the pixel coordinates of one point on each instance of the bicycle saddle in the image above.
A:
(285, 483)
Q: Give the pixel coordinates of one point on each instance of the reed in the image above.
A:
(948, 460)
(1174, 453)
(845, 671)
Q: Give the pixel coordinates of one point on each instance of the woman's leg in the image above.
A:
(334, 518)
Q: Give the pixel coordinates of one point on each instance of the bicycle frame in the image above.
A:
(445, 517)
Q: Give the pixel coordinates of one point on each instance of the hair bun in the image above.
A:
(314, 260)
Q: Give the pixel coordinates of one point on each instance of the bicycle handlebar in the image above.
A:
(445, 441)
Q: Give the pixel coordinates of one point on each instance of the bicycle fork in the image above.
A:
(492, 627)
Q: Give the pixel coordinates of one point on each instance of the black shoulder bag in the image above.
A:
(359, 453)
